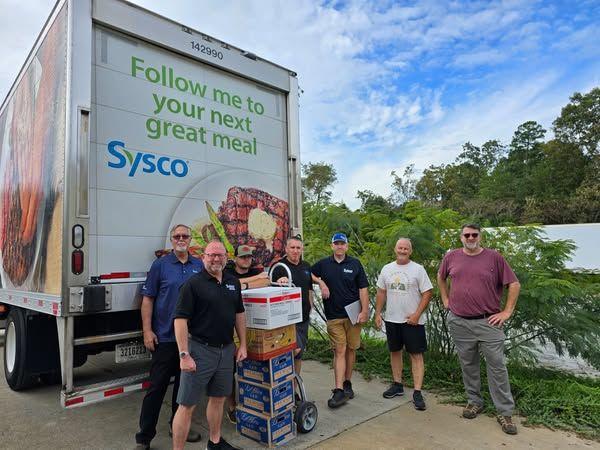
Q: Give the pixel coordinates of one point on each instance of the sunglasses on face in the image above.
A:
(468, 235)
(178, 237)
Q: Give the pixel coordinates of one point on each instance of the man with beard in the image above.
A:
(406, 288)
(343, 281)
(159, 297)
(475, 319)
(209, 308)
(301, 277)
(241, 268)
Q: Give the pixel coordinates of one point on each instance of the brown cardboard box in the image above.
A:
(266, 344)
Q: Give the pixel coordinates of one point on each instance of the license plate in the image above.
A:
(131, 351)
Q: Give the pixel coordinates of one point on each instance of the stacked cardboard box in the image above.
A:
(265, 379)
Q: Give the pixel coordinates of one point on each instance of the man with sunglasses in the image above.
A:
(475, 319)
(159, 297)
(209, 308)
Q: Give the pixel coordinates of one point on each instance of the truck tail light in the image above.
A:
(77, 262)
(77, 236)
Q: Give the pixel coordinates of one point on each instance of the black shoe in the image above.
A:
(221, 445)
(337, 399)
(193, 436)
(348, 389)
(395, 390)
(419, 401)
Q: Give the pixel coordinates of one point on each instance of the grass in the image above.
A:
(545, 397)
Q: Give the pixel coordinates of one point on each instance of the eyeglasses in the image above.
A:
(468, 235)
(215, 255)
(179, 237)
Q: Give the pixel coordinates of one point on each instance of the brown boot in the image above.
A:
(507, 424)
(471, 411)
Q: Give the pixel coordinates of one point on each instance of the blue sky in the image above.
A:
(386, 83)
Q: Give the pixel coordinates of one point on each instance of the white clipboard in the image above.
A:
(353, 310)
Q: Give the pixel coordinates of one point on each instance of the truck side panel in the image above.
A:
(175, 140)
(32, 148)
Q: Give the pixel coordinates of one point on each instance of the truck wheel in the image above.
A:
(15, 351)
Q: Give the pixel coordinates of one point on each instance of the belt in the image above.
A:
(481, 316)
(209, 344)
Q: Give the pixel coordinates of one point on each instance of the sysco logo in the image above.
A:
(147, 162)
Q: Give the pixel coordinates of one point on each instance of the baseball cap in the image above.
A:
(339, 237)
(244, 250)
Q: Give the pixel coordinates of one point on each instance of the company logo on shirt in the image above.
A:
(147, 162)
(231, 287)
(348, 270)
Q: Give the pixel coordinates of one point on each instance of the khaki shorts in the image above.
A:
(342, 332)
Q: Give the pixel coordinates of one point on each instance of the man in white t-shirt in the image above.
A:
(406, 287)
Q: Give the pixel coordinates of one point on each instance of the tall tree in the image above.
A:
(317, 180)
(579, 121)
(403, 187)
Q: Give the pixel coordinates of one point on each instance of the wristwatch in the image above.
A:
(183, 354)
(245, 285)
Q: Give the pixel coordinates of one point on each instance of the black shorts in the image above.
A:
(403, 335)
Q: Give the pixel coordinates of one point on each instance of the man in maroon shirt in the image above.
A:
(475, 319)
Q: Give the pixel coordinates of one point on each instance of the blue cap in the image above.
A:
(339, 237)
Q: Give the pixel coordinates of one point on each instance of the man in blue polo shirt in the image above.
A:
(160, 293)
(343, 281)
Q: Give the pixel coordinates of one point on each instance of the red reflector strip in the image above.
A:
(280, 298)
(74, 401)
(113, 275)
(145, 385)
(115, 391)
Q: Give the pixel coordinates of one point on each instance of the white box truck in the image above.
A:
(120, 125)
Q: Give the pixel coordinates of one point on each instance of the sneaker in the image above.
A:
(348, 389)
(507, 424)
(337, 399)
(418, 401)
(395, 390)
(221, 445)
(231, 416)
(193, 436)
(471, 411)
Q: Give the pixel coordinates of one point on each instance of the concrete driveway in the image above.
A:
(35, 419)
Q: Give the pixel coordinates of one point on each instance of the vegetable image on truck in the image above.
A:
(116, 129)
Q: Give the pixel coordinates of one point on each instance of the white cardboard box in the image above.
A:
(272, 307)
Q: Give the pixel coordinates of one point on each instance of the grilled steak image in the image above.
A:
(255, 217)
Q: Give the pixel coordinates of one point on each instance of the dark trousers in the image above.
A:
(165, 364)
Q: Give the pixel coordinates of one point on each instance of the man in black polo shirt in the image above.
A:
(301, 277)
(343, 281)
(209, 307)
(241, 268)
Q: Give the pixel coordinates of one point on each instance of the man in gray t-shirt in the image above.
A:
(475, 319)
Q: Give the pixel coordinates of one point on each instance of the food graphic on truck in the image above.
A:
(118, 127)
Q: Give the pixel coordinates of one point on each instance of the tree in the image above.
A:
(403, 187)
(483, 158)
(579, 121)
(317, 179)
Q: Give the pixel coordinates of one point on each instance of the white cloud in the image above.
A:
(384, 84)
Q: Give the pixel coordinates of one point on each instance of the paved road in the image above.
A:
(35, 420)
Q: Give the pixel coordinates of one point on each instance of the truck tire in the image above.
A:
(15, 351)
